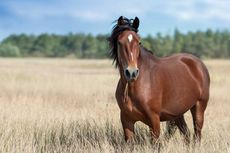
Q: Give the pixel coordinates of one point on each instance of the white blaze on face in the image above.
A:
(131, 55)
(130, 37)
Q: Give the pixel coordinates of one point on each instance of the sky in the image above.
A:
(97, 16)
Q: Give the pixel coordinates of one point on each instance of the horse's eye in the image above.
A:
(139, 43)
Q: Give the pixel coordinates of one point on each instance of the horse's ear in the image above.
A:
(136, 23)
(120, 20)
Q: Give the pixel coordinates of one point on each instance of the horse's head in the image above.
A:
(128, 49)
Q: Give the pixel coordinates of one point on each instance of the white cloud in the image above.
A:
(90, 15)
(107, 10)
(101, 10)
(189, 10)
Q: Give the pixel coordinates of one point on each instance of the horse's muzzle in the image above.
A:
(131, 74)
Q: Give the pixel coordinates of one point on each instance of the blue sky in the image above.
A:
(96, 16)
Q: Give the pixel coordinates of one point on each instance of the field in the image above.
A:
(67, 105)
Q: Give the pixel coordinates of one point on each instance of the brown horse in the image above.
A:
(153, 89)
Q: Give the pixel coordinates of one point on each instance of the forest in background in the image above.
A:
(206, 44)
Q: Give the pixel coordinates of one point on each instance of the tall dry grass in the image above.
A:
(64, 105)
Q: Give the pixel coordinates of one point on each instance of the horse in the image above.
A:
(153, 89)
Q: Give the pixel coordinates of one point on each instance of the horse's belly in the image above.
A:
(175, 109)
(166, 116)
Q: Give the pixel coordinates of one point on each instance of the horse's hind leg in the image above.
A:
(198, 118)
(170, 129)
(172, 125)
(181, 124)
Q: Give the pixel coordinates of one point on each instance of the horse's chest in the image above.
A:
(132, 109)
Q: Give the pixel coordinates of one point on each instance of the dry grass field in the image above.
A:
(67, 105)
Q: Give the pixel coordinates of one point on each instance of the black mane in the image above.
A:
(117, 30)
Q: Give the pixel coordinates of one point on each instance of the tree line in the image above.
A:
(207, 44)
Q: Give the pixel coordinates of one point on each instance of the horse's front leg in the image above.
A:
(153, 115)
(155, 129)
(128, 127)
(154, 126)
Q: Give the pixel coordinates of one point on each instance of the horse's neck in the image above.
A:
(146, 60)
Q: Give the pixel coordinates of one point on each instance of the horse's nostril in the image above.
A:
(127, 73)
(131, 73)
(137, 72)
(134, 75)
